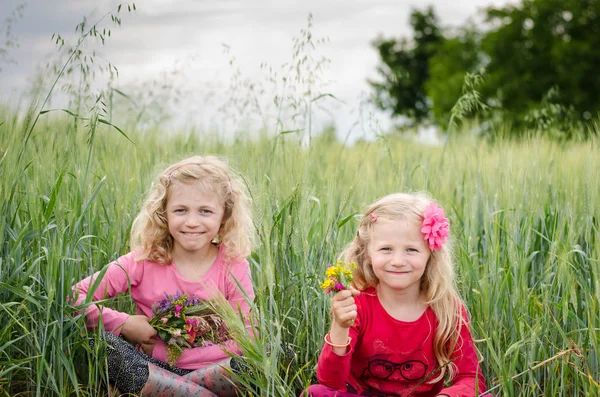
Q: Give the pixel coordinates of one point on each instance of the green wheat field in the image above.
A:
(524, 217)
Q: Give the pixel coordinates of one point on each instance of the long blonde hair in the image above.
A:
(150, 235)
(437, 282)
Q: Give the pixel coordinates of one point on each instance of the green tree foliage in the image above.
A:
(539, 45)
(539, 60)
(454, 58)
(405, 67)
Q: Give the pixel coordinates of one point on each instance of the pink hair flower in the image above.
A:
(436, 227)
(373, 216)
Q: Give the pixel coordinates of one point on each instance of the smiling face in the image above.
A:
(194, 216)
(398, 254)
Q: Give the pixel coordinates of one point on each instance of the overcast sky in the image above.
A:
(186, 38)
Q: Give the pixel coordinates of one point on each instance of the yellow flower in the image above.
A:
(339, 276)
(327, 283)
(332, 271)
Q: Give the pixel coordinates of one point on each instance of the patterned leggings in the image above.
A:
(132, 371)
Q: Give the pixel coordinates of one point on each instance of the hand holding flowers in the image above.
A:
(339, 277)
(136, 330)
(343, 308)
(186, 322)
(338, 280)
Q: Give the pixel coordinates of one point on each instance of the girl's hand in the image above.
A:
(344, 308)
(148, 347)
(137, 330)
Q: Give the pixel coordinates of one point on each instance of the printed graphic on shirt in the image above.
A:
(394, 374)
(411, 370)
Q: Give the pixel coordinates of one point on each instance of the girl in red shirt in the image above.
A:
(401, 329)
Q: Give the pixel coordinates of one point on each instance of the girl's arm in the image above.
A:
(240, 293)
(239, 287)
(116, 280)
(333, 367)
(468, 376)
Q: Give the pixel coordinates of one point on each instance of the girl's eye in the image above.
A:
(385, 249)
(206, 211)
(412, 250)
(179, 210)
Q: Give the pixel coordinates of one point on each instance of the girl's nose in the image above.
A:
(399, 259)
(193, 221)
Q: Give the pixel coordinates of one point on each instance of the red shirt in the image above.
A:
(388, 357)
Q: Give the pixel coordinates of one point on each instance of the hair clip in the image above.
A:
(169, 178)
(373, 216)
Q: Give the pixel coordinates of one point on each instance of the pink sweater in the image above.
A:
(150, 281)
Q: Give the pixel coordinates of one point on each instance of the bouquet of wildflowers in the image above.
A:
(339, 277)
(184, 321)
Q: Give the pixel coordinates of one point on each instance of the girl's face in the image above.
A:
(194, 217)
(399, 255)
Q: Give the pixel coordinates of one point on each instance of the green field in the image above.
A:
(524, 217)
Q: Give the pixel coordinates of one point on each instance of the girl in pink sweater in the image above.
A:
(401, 329)
(191, 237)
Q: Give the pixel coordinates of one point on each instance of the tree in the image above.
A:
(543, 45)
(538, 58)
(405, 68)
(454, 58)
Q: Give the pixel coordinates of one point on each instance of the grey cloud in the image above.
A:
(162, 31)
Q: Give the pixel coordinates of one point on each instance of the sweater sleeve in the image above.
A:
(117, 279)
(333, 370)
(240, 292)
(239, 286)
(468, 376)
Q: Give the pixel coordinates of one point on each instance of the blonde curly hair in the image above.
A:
(437, 282)
(150, 236)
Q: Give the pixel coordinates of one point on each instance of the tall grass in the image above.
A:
(525, 218)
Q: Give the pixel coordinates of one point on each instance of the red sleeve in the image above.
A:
(333, 370)
(468, 377)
